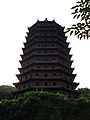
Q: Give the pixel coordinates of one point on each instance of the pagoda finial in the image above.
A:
(37, 20)
(46, 19)
(54, 19)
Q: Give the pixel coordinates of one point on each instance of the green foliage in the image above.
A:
(82, 12)
(45, 106)
(84, 93)
(6, 92)
(80, 110)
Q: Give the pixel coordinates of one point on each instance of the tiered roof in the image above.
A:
(46, 62)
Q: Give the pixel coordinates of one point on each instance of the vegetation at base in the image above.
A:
(6, 92)
(46, 106)
(85, 93)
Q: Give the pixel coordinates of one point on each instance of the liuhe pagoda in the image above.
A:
(46, 62)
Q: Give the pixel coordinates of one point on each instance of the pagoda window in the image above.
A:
(54, 74)
(38, 67)
(69, 96)
(54, 84)
(38, 52)
(60, 75)
(37, 74)
(53, 59)
(37, 84)
(45, 84)
(24, 86)
(19, 88)
(37, 59)
(38, 45)
(31, 75)
(67, 86)
(72, 87)
(45, 74)
(45, 52)
(45, 66)
(52, 66)
(45, 33)
(45, 39)
(45, 45)
(25, 77)
(53, 45)
(52, 52)
(45, 59)
(65, 77)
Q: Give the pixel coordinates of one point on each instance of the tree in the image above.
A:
(6, 92)
(81, 11)
(84, 93)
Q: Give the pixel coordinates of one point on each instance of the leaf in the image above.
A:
(87, 36)
(71, 33)
(76, 10)
(74, 25)
(73, 13)
(74, 16)
(82, 18)
(80, 36)
(74, 6)
(81, 10)
(78, 2)
(78, 16)
(86, 21)
(84, 36)
(67, 30)
(76, 32)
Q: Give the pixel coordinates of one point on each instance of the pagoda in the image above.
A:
(46, 62)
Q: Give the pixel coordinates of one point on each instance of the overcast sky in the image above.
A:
(17, 15)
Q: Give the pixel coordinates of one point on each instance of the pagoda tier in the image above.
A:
(46, 62)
